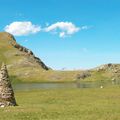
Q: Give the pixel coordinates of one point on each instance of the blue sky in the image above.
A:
(95, 26)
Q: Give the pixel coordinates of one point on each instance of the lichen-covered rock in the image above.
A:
(83, 75)
(6, 91)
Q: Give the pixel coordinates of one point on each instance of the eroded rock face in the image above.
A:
(6, 91)
(28, 53)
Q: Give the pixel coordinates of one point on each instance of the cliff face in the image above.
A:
(20, 60)
(28, 53)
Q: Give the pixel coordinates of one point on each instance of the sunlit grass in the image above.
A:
(65, 104)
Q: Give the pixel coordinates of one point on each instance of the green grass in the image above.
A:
(42, 76)
(24, 69)
(65, 104)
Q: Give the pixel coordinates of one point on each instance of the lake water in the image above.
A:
(34, 86)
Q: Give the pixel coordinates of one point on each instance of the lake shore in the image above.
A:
(65, 104)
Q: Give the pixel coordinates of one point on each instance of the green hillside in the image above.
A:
(24, 66)
(21, 62)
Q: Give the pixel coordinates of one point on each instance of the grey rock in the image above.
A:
(6, 91)
(83, 75)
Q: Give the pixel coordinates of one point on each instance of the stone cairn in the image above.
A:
(6, 91)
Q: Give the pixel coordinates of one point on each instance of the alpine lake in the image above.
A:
(65, 101)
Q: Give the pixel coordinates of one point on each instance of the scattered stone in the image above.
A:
(113, 81)
(6, 91)
(83, 75)
(2, 106)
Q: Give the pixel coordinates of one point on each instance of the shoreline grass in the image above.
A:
(65, 104)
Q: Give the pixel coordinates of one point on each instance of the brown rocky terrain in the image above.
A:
(6, 91)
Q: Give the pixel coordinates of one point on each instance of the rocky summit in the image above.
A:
(6, 91)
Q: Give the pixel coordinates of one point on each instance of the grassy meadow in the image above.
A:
(57, 104)
(65, 104)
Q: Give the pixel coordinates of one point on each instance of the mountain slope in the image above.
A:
(19, 60)
(23, 66)
(105, 73)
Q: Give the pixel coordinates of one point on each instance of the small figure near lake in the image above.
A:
(6, 91)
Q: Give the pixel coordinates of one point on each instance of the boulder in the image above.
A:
(83, 75)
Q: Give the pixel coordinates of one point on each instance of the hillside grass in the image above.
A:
(42, 76)
(45, 76)
(22, 69)
(99, 76)
(65, 104)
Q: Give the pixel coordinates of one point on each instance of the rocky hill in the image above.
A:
(19, 60)
(111, 71)
(107, 73)
(24, 66)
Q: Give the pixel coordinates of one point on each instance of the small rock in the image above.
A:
(2, 106)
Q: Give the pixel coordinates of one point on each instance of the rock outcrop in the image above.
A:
(29, 53)
(83, 75)
(21, 62)
(113, 68)
(6, 91)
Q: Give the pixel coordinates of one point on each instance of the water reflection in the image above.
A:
(32, 86)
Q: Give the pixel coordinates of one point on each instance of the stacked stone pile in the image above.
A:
(6, 91)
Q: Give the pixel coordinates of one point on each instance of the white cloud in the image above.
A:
(62, 34)
(22, 28)
(63, 28)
